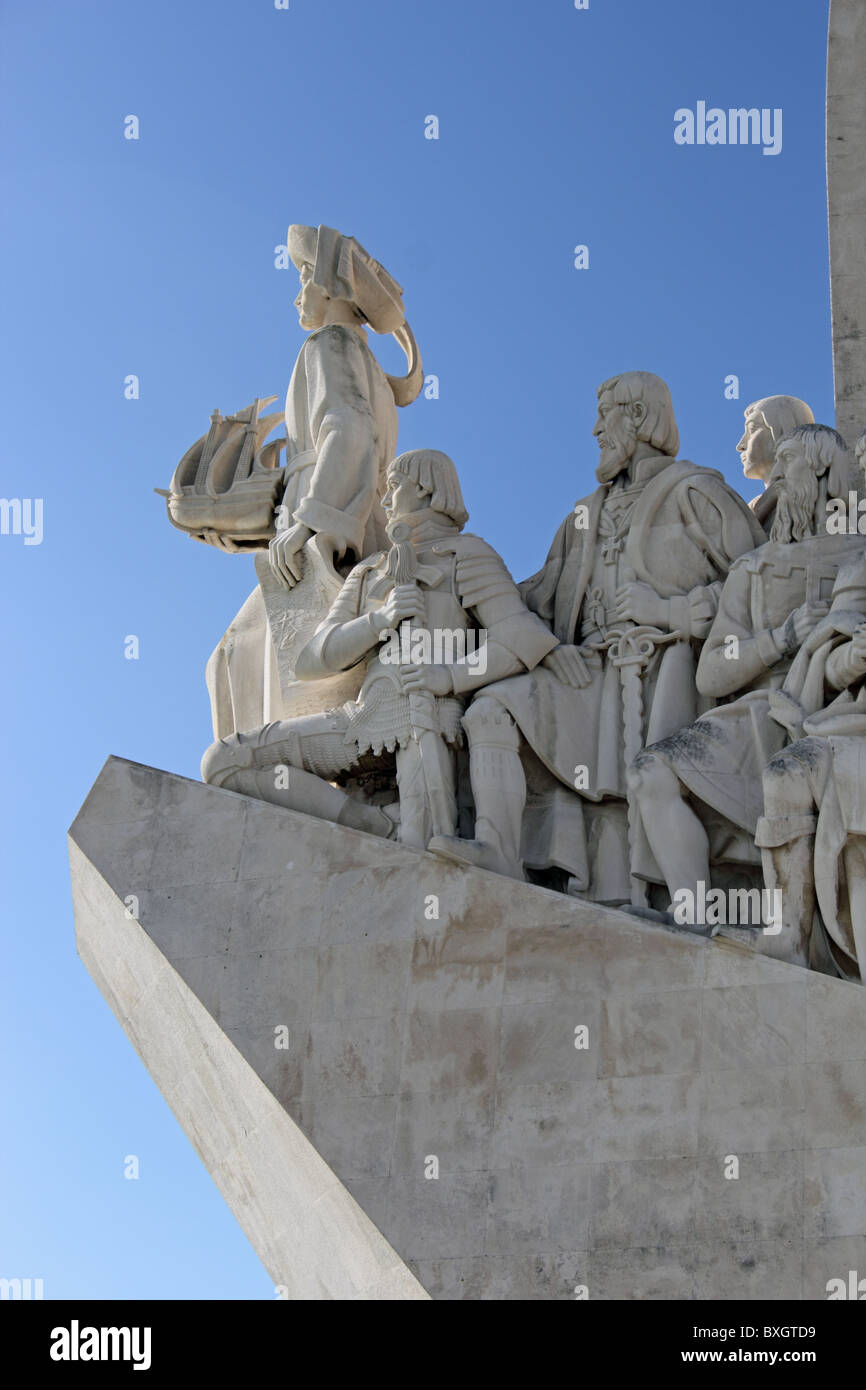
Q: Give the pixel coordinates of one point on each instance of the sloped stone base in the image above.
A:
(379, 1057)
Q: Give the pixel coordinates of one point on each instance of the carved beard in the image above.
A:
(614, 460)
(795, 512)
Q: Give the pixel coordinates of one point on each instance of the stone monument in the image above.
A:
(378, 962)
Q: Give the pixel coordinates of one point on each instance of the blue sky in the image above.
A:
(156, 257)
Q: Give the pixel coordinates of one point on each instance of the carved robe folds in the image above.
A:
(677, 527)
(341, 425)
(720, 758)
(815, 790)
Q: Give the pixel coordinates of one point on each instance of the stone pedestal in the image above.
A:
(409, 1078)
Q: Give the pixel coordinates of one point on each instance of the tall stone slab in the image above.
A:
(846, 197)
(490, 1091)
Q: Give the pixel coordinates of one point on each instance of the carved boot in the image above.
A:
(475, 852)
(499, 792)
(236, 764)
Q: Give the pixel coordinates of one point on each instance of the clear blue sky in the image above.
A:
(156, 257)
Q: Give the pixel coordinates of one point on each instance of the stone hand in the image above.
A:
(216, 538)
(639, 603)
(568, 664)
(800, 624)
(404, 603)
(434, 679)
(284, 553)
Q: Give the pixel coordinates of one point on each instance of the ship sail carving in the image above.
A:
(227, 486)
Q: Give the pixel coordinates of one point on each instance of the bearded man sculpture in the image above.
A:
(813, 831)
(699, 791)
(629, 588)
(766, 422)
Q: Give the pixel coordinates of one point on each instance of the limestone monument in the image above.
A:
(766, 422)
(846, 206)
(377, 960)
(324, 505)
(407, 716)
(700, 786)
(629, 588)
(812, 829)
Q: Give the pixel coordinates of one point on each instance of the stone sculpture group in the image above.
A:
(674, 703)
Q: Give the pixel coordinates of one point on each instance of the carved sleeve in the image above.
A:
(344, 433)
(516, 639)
(722, 527)
(734, 656)
(692, 614)
(345, 636)
(539, 591)
(843, 668)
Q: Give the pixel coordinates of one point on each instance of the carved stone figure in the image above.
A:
(341, 433)
(435, 585)
(699, 791)
(813, 830)
(766, 423)
(630, 589)
(341, 423)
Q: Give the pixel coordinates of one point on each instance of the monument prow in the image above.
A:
(409, 1076)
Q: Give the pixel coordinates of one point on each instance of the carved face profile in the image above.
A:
(810, 453)
(757, 447)
(403, 496)
(312, 301)
(616, 429)
(768, 421)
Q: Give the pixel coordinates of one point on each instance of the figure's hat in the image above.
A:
(343, 269)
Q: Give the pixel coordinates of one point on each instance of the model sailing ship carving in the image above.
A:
(226, 487)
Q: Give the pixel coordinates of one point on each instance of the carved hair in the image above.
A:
(781, 414)
(436, 474)
(826, 452)
(827, 455)
(659, 427)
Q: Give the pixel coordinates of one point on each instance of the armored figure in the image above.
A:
(442, 584)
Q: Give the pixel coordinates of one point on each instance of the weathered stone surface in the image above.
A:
(846, 199)
(416, 1038)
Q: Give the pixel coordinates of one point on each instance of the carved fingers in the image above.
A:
(404, 603)
(639, 603)
(434, 679)
(804, 618)
(569, 665)
(284, 553)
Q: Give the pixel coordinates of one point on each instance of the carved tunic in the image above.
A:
(720, 759)
(818, 786)
(341, 427)
(677, 527)
(465, 586)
